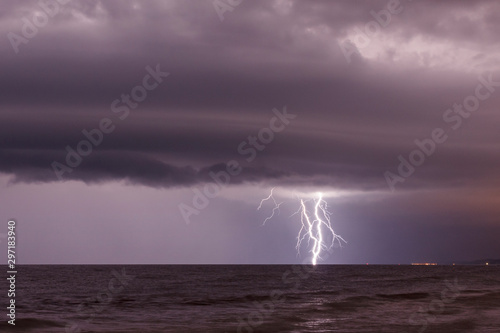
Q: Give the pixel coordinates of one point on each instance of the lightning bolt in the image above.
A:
(275, 209)
(316, 226)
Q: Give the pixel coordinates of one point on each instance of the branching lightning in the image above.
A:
(276, 206)
(315, 224)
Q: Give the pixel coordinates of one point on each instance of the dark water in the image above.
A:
(274, 299)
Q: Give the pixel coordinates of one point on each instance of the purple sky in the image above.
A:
(355, 115)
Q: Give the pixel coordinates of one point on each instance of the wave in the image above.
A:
(31, 324)
(353, 303)
(410, 296)
(229, 300)
(486, 300)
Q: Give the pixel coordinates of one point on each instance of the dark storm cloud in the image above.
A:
(353, 119)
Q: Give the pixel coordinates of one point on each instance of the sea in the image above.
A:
(255, 298)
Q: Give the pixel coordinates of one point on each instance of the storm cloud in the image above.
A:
(364, 97)
(227, 76)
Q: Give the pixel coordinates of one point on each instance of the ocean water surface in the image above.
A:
(256, 298)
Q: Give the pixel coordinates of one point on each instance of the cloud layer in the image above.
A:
(353, 118)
